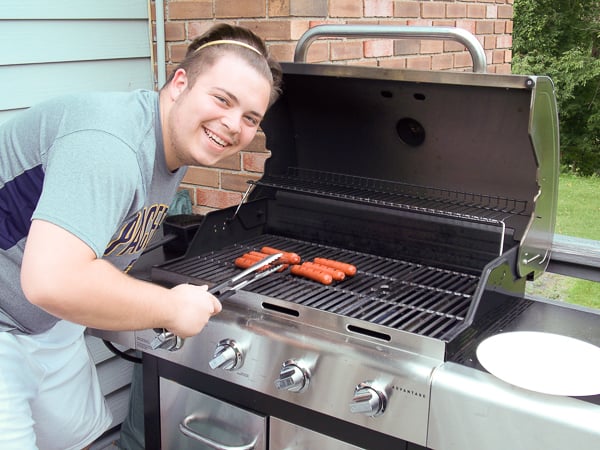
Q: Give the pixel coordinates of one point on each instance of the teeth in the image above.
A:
(215, 138)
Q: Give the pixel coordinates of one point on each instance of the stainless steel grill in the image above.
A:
(441, 189)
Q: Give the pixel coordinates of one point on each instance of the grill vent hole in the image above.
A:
(370, 333)
(281, 309)
(387, 94)
(419, 96)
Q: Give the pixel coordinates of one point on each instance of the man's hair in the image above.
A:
(202, 55)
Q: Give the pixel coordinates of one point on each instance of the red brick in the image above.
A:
(476, 11)
(456, 10)
(452, 46)
(233, 162)
(432, 46)
(484, 27)
(468, 25)
(407, 9)
(174, 31)
(433, 10)
(442, 62)
(270, 30)
(346, 50)
(177, 52)
(308, 8)
(345, 8)
(505, 12)
(254, 162)
(283, 52)
(463, 60)
(257, 144)
(406, 47)
(509, 27)
(279, 8)
(395, 63)
(489, 42)
(491, 12)
(419, 63)
(318, 52)
(504, 41)
(197, 28)
(237, 181)
(497, 56)
(378, 48)
(217, 199)
(240, 9)
(378, 8)
(202, 176)
(200, 9)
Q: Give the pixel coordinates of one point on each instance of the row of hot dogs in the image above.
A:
(322, 270)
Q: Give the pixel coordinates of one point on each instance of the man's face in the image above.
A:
(218, 116)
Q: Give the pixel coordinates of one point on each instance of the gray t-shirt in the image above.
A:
(92, 164)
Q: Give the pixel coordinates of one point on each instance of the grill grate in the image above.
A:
(462, 205)
(402, 295)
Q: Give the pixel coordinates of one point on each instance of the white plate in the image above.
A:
(543, 362)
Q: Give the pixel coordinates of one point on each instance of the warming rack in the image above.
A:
(488, 209)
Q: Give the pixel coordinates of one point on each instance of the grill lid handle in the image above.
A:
(395, 32)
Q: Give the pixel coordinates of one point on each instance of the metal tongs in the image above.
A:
(250, 275)
(167, 340)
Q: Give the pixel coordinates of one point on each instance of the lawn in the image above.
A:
(578, 215)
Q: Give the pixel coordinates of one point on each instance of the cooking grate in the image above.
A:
(462, 205)
(402, 295)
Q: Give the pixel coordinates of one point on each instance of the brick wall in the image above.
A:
(282, 22)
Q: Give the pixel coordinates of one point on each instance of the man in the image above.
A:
(85, 180)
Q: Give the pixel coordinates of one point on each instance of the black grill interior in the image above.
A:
(398, 294)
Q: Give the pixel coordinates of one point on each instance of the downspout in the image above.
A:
(161, 65)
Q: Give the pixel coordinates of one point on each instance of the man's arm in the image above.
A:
(62, 275)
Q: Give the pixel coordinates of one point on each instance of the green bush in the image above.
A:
(561, 39)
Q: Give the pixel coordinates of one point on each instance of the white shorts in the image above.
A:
(49, 392)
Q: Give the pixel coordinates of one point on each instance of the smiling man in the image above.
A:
(85, 181)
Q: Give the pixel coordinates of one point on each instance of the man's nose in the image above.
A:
(232, 121)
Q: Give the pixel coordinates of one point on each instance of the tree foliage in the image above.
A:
(561, 39)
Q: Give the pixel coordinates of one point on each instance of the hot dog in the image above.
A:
(288, 257)
(312, 274)
(244, 262)
(336, 274)
(257, 256)
(348, 269)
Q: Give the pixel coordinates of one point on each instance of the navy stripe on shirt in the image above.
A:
(18, 199)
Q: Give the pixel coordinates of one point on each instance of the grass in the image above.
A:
(577, 215)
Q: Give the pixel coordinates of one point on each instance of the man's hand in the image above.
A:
(193, 306)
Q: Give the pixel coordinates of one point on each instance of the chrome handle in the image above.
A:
(395, 32)
(184, 427)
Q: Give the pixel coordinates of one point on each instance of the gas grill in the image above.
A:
(441, 189)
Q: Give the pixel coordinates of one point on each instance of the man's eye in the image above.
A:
(252, 120)
(221, 99)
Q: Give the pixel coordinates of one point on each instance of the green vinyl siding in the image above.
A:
(55, 47)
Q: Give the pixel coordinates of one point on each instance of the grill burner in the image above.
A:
(402, 295)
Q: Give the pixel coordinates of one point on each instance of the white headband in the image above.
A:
(228, 41)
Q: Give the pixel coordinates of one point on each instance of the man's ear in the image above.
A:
(178, 84)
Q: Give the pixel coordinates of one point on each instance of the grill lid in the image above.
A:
(475, 146)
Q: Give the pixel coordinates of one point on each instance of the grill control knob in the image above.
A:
(368, 401)
(227, 356)
(292, 377)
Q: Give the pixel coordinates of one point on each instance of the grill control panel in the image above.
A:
(366, 383)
